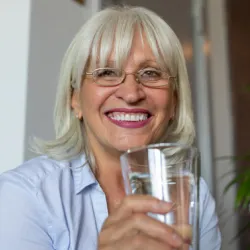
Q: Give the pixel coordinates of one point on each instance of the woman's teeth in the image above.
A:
(128, 117)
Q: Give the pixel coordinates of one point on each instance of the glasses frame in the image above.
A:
(136, 74)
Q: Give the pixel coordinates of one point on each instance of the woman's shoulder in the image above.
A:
(36, 203)
(206, 198)
(204, 189)
(33, 172)
(209, 224)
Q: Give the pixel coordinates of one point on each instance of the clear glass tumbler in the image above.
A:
(169, 172)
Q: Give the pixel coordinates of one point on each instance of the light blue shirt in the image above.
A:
(47, 204)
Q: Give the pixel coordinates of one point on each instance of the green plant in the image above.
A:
(242, 182)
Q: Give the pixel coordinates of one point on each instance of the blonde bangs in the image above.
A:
(161, 44)
(116, 37)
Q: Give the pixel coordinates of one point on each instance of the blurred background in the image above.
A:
(215, 35)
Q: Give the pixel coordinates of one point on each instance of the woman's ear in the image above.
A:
(76, 104)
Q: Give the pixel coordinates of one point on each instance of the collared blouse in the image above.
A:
(59, 205)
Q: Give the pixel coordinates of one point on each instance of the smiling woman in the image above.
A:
(123, 84)
(107, 111)
(158, 51)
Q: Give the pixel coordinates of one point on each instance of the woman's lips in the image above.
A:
(129, 118)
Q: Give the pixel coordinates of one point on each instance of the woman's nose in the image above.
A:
(130, 90)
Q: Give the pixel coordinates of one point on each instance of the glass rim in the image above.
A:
(159, 146)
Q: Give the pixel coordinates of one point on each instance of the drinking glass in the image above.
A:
(169, 172)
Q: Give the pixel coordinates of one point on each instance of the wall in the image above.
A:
(14, 48)
(53, 26)
(34, 36)
(222, 119)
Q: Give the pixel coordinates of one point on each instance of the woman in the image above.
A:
(123, 84)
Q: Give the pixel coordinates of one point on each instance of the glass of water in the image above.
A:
(169, 172)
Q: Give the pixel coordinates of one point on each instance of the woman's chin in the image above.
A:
(129, 141)
(127, 146)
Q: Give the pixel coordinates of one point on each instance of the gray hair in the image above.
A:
(94, 42)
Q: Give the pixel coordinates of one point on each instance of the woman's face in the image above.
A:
(107, 111)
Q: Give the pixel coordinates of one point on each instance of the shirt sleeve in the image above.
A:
(210, 236)
(22, 223)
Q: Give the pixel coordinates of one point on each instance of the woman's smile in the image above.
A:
(129, 118)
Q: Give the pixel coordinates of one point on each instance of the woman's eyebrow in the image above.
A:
(148, 61)
(141, 63)
(110, 63)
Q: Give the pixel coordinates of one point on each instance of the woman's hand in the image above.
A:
(129, 227)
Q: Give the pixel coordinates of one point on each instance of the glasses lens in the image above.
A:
(152, 77)
(107, 76)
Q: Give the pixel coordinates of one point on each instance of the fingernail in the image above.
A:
(177, 238)
(174, 206)
(188, 241)
(164, 205)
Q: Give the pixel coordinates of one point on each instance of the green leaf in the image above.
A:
(243, 193)
(230, 184)
(242, 180)
(248, 87)
(235, 180)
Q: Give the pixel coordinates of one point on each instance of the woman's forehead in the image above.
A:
(138, 53)
(137, 60)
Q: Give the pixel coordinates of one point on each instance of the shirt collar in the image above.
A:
(82, 173)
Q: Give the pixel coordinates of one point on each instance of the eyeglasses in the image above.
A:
(149, 77)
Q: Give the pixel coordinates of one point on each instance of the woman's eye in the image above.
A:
(151, 73)
(106, 72)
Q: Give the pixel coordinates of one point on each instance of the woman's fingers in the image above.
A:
(136, 242)
(139, 204)
(185, 231)
(145, 225)
(130, 221)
